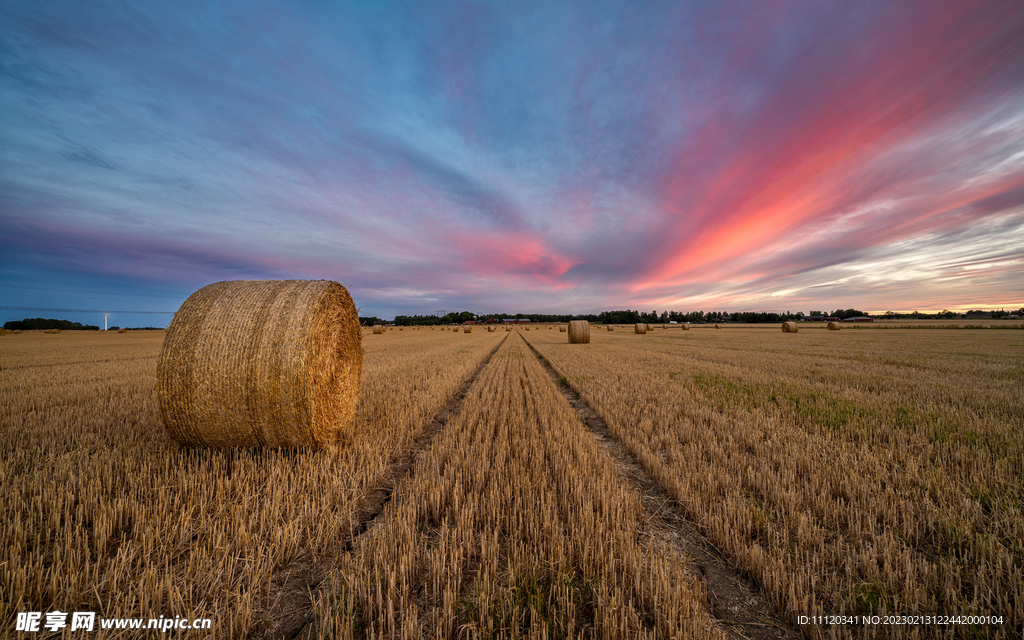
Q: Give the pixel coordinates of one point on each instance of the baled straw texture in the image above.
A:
(579, 332)
(3, 332)
(455, 329)
(611, 328)
(561, 328)
(467, 329)
(789, 327)
(718, 326)
(17, 332)
(122, 330)
(508, 328)
(273, 363)
(664, 326)
(686, 326)
(834, 326)
(378, 329)
(640, 328)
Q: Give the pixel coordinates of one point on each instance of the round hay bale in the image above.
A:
(789, 327)
(47, 331)
(273, 363)
(467, 329)
(579, 332)
(686, 326)
(122, 330)
(718, 326)
(508, 328)
(561, 328)
(378, 329)
(611, 328)
(401, 328)
(834, 326)
(3, 332)
(17, 332)
(664, 326)
(490, 329)
(527, 328)
(640, 328)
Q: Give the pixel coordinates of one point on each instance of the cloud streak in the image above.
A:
(571, 158)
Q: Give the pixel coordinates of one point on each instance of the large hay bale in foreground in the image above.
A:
(579, 332)
(561, 328)
(640, 328)
(834, 326)
(273, 363)
(789, 327)
(378, 329)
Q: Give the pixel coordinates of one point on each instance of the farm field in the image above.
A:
(863, 471)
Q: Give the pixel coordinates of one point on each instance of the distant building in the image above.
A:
(859, 319)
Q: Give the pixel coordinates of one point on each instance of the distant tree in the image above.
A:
(817, 313)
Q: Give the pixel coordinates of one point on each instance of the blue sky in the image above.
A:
(562, 157)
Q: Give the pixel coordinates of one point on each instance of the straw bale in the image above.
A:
(664, 326)
(789, 327)
(467, 329)
(579, 332)
(3, 332)
(122, 330)
(17, 332)
(273, 363)
(718, 326)
(611, 328)
(640, 328)
(834, 326)
(561, 328)
(378, 329)
(508, 328)
(686, 326)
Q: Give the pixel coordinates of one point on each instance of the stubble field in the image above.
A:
(700, 483)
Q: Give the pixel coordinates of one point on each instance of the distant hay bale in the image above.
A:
(490, 329)
(527, 328)
(834, 326)
(3, 332)
(378, 329)
(17, 332)
(46, 331)
(122, 330)
(640, 328)
(561, 328)
(664, 326)
(401, 328)
(718, 326)
(467, 329)
(611, 328)
(579, 332)
(789, 327)
(686, 326)
(508, 328)
(455, 329)
(274, 363)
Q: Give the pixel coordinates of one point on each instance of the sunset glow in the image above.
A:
(546, 157)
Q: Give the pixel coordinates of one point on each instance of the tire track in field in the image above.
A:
(735, 604)
(290, 613)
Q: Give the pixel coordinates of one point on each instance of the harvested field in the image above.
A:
(700, 484)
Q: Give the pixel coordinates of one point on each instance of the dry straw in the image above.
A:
(272, 363)
(640, 328)
(579, 332)
(561, 328)
(467, 329)
(122, 330)
(378, 329)
(611, 328)
(664, 326)
(718, 326)
(3, 332)
(834, 326)
(686, 326)
(789, 327)
(508, 328)
(17, 332)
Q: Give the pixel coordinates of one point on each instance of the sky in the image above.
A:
(560, 157)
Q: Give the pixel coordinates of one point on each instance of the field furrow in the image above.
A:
(841, 487)
(514, 524)
(102, 512)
